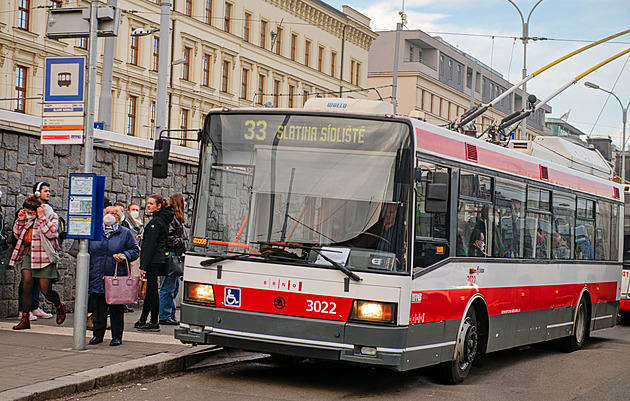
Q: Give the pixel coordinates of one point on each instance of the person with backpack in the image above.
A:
(41, 190)
(36, 255)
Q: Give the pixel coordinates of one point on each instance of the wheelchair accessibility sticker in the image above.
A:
(232, 297)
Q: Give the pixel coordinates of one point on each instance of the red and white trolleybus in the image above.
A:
(368, 238)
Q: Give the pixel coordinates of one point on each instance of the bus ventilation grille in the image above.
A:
(471, 152)
(544, 174)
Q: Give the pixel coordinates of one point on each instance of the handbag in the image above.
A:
(121, 290)
(142, 288)
(174, 265)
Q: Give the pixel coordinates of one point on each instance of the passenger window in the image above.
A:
(585, 230)
(563, 224)
(509, 219)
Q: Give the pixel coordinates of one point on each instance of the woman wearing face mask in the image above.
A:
(117, 245)
(152, 258)
(35, 254)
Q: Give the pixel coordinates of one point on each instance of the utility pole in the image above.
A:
(83, 258)
(161, 104)
(399, 27)
(105, 100)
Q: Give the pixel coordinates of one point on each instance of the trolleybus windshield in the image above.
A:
(294, 186)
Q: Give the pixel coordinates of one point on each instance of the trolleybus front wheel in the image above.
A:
(455, 371)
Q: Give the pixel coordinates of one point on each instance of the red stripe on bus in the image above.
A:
(438, 305)
(624, 305)
(288, 303)
(452, 147)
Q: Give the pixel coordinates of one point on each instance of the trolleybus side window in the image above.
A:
(562, 246)
(614, 233)
(509, 219)
(585, 229)
(538, 224)
(431, 231)
(474, 238)
(602, 232)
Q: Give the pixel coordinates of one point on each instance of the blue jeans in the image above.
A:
(168, 292)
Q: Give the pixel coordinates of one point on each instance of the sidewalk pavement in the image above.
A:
(40, 364)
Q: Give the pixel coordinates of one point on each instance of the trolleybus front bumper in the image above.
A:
(289, 335)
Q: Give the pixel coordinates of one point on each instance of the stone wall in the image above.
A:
(24, 161)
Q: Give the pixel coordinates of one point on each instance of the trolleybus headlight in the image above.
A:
(199, 293)
(372, 311)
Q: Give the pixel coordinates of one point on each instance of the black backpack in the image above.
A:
(62, 231)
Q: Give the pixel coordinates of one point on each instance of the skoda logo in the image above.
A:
(279, 302)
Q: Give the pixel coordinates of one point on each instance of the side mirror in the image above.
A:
(437, 193)
(160, 158)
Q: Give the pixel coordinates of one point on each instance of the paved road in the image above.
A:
(599, 371)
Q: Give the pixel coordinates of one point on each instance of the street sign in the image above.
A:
(62, 138)
(64, 79)
(75, 22)
(62, 124)
(85, 206)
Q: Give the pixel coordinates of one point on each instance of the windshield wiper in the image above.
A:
(336, 264)
(217, 259)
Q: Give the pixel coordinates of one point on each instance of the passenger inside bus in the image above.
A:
(477, 244)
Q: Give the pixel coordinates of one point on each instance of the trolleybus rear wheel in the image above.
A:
(455, 371)
(580, 329)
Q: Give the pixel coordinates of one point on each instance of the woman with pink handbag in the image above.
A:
(117, 245)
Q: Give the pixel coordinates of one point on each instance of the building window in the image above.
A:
(276, 92)
(420, 55)
(83, 43)
(183, 123)
(247, 26)
(225, 76)
(291, 95)
(20, 88)
(333, 64)
(155, 58)
(278, 43)
(227, 16)
(411, 53)
(131, 115)
(188, 8)
(355, 72)
(263, 34)
(441, 65)
(459, 74)
(55, 4)
(207, 17)
(186, 64)
(24, 12)
(294, 39)
(305, 96)
(152, 120)
(133, 52)
(307, 53)
(320, 59)
(244, 81)
(450, 70)
(261, 89)
(205, 77)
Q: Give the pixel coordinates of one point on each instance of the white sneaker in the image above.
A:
(40, 313)
(32, 316)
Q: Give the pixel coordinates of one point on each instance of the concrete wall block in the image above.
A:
(117, 186)
(36, 147)
(131, 164)
(28, 175)
(14, 183)
(62, 150)
(10, 141)
(23, 153)
(48, 158)
(2, 155)
(4, 308)
(125, 179)
(11, 161)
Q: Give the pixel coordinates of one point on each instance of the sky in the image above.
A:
(489, 30)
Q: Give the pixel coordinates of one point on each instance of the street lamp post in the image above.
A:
(524, 38)
(624, 117)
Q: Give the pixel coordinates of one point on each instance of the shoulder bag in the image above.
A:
(174, 264)
(121, 290)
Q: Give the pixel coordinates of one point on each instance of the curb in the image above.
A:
(153, 365)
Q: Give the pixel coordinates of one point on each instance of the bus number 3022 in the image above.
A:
(320, 306)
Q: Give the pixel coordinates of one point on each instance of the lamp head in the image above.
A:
(591, 85)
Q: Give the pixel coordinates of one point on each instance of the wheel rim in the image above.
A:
(467, 345)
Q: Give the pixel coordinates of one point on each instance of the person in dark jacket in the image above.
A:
(117, 247)
(176, 242)
(152, 257)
